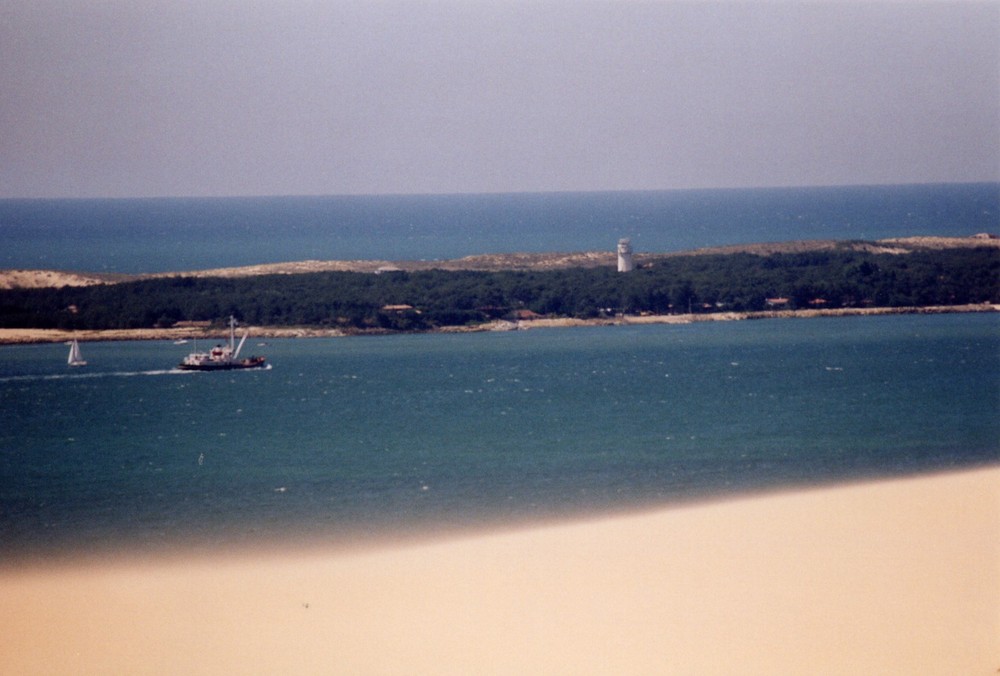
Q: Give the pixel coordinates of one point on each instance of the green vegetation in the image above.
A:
(677, 284)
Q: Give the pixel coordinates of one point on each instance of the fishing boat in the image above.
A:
(75, 358)
(223, 357)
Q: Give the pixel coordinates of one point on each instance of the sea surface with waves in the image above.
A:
(346, 438)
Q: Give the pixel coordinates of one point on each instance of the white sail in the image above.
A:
(75, 358)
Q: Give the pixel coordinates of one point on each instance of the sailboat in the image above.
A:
(223, 357)
(75, 358)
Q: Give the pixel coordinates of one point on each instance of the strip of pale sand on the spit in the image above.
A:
(27, 336)
(892, 577)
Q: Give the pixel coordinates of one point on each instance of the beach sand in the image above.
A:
(895, 577)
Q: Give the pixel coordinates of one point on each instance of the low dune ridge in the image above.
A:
(40, 279)
(892, 577)
(11, 279)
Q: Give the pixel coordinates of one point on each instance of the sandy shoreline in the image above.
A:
(897, 577)
(28, 336)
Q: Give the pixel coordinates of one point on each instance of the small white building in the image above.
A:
(625, 263)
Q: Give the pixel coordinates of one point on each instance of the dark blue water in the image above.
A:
(367, 436)
(156, 235)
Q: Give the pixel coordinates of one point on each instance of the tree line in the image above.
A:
(430, 299)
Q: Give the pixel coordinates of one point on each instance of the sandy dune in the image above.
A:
(13, 279)
(898, 577)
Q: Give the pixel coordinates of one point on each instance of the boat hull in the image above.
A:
(240, 365)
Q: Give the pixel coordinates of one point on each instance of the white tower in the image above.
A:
(625, 263)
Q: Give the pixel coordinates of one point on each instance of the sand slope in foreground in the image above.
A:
(900, 577)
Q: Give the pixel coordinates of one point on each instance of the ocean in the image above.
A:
(348, 438)
(368, 437)
(176, 234)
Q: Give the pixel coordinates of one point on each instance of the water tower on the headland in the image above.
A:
(625, 263)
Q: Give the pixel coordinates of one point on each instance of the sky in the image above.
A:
(120, 98)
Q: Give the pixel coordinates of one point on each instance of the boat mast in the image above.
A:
(236, 354)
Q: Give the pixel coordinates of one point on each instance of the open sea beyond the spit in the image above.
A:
(177, 234)
(363, 437)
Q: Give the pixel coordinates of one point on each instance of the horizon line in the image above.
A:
(499, 192)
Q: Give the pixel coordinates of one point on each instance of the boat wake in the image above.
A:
(90, 375)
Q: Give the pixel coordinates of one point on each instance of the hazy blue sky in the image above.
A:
(209, 97)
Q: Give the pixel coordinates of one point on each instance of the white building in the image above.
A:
(625, 263)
